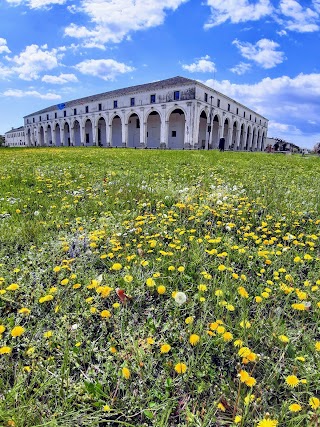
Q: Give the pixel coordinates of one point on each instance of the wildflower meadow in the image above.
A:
(159, 288)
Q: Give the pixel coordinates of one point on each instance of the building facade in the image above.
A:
(176, 113)
(15, 137)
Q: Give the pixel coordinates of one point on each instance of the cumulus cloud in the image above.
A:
(241, 68)
(244, 10)
(17, 93)
(34, 60)
(59, 80)
(3, 46)
(297, 18)
(202, 65)
(36, 4)
(113, 20)
(291, 102)
(106, 69)
(264, 52)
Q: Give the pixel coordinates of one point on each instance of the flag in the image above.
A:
(61, 106)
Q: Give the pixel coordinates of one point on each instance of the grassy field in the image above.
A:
(215, 259)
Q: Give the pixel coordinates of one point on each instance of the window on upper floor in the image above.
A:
(99, 107)
(218, 102)
(64, 113)
(244, 114)
(33, 120)
(115, 104)
(176, 95)
(55, 115)
(39, 118)
(228, 107)
(47, 116)
(152, 99)
(237, 110)
(205, 97)
(132, 102)
(75, 111)
(250, 116)
(87, 109)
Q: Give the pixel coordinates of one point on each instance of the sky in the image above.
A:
(264, 54)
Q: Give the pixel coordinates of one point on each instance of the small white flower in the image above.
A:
(180, 298)
(36, 213)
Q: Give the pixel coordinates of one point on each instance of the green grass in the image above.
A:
(245, 227)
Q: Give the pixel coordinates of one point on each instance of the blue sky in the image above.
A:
(263, 53)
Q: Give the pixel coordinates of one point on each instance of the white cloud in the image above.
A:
(3, 46)
(33, 60)
(59, 80)
(290, 102)
(202, 65)
(36, 4)
(17, 93)
(113, 20)
(264, 52)
(5, 72)
(106, 69)
(241, 68)
(241, 11)
(282, 33)
(299, 19)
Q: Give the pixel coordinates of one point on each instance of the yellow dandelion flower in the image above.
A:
(227, 336)
(126, 373)
(113, 350)
(250, 382)
(299, 306)
(57, 269)
(116, 305)
(244, 351)
(104, 291)
(202, 288)
(76, 286)
(292, 380)
(238, 343)
(258, 299)
(181, 269)
(105, 314)
(230, 307)
(46, 298)
(2, 329)
(165, 348)
(295, 407)
(161, 290)
(283, 338)
(13, 287)
(243, 292)
(314, 402)
(267, 422)
(5, 350)
(180, 368)
(222, 267)
(127, 278)
(47, 334)
(189, 320)
(194, 339)
(237, 419)
(150, 341)
(244, 376)
(150, 282)
(64, 282)
(317, 345)
(17, 331)
(245, 324)
(116, 266)
(106, 408)
(221, 407)
(218, 293)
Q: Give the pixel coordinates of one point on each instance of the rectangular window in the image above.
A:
(260, 121)
(55, 115)
(228, 107)
(218, 103)
(87, 138)
(47, 116)
(205, 97)
(152, 99)
(176, 95)
(64, 113)
(33, 120)
(237, 110)
(250, 116)
(100, 107)
(75, 111)
(244, 114)
(255, 120)
(87, 109)
(138, 124)
(132, 102)
(174, 133)
(115, 104)
(27, 121)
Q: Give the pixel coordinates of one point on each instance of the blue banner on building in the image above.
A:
(61, 106)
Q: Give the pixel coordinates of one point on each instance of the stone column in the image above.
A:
(229, 137)
(196, 125)
(143, 129)
(124, 129)
(72, 136)
(62, 136)
(54, 139)
(45, 137)
(95, 133)
(237, 139)
(82, 135)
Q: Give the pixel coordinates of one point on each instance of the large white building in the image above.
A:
(177, 113)
(15, 137)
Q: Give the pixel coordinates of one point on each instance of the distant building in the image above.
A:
(15, 137)
(277, 144)
(177, 113)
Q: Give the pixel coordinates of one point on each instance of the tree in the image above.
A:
(316, 148)
(2, 140)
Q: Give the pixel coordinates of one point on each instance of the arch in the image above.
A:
(40, 141)
(172, 109)
(116, 131)
(153, 129)
(88, 132)
(225, 131)
(49, 135)
(66, 134)
(102, 132)
(258, 140)
(203, 128)
(234, 133)
(176, 128)
(57, 134)
(215, 131)
(134, 124)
